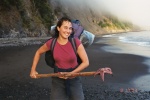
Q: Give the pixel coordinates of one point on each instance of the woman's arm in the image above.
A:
(37, 56)
(85, 61)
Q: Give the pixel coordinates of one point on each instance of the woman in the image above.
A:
(66, 63)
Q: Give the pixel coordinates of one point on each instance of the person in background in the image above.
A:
(64, 88)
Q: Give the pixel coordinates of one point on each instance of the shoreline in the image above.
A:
(125, 66)
(137, 64)
(100, 35)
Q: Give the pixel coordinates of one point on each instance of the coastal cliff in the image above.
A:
(32, 18)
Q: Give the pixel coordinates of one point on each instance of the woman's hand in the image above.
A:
(33, 74)
(63, 75)
(66, 75)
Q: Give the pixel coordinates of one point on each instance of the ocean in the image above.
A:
(137, 38)
(138, 41)
(135, 43)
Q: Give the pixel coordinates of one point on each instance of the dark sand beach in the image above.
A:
(15, 83)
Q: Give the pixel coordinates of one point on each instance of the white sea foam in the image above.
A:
(139, 38)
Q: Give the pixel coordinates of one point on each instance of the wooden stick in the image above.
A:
(100, 72)
(63, 75)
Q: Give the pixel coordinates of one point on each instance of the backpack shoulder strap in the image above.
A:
(73, 42)
(53, 44)
(74, 45)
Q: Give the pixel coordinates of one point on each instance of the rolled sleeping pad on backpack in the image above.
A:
(87, 38)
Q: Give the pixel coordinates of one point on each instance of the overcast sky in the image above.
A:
(137, 11)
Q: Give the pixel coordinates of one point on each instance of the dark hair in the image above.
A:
(59, 23)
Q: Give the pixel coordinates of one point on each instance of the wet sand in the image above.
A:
(15, 83)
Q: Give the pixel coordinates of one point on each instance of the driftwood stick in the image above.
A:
(61, 75)
(100, 72)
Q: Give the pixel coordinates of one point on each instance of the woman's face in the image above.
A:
(65, 29)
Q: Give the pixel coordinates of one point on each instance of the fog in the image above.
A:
(136, 11)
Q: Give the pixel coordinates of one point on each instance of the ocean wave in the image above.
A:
(139, 38)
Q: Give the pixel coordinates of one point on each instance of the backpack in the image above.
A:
(84, 36)
(77, 28)
(49, 54)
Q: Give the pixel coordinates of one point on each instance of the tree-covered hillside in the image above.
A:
(32, 18)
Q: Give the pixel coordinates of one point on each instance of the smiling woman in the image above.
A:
(65, 63)
(64, 31)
